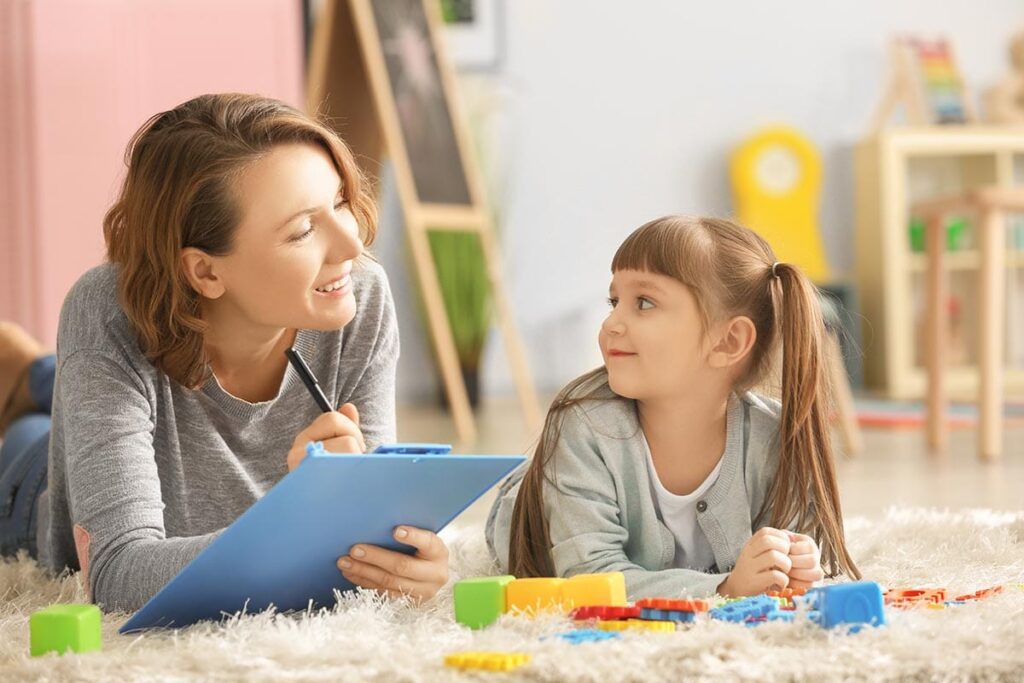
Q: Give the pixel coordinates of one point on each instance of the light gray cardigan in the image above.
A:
(602, 517)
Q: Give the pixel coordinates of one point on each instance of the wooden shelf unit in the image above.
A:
(895, 168)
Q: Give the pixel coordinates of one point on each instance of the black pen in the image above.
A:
(308, 379)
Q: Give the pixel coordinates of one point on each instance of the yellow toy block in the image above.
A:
(637, 625)
(489, 661)
(533, 595)
(607, 590)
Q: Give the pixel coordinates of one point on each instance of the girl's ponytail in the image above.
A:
(805, 494)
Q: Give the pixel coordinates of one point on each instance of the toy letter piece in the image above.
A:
(60, 628)
(480, 601)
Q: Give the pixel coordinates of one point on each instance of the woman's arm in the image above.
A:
(114, 493)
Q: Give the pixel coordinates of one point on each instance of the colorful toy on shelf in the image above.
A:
(60, 628)
(480, 601)
(487, 661)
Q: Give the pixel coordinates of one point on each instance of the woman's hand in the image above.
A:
(763, 565)
(418, 576)
(805, 556)
(339, 431)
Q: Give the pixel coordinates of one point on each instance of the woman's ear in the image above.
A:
(735, 340)
(199, 269)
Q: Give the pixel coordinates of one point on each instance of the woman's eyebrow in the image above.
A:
(306, 212)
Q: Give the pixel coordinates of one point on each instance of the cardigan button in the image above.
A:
(701, 506)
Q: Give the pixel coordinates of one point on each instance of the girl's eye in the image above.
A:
(340, 203)
(612, 302)
(644, 304)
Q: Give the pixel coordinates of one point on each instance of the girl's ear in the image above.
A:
(200, 272)
(735, 339)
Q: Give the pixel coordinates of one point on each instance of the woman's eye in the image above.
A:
(644, 304)
(612, 302)
(340, 203)
(304, 235)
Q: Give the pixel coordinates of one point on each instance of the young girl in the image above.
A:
(661, 464)
(239, 233)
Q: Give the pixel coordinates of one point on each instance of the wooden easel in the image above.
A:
(907, 87)
(349, 77)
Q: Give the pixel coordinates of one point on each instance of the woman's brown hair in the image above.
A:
(178, 192)
(731, 271)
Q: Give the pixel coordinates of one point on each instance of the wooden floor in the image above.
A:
(895, 469)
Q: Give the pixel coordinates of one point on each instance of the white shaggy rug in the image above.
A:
(365, 638)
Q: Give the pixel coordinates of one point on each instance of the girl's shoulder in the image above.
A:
(598, 412)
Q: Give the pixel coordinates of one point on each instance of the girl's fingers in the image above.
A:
(807, 575)
(762, 542)
(803, 547)
(773, 559)
(805, 561)
(344, 444)
(375, 578)
(429, 545)
(775, 580)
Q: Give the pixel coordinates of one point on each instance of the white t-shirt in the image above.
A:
(679, 513)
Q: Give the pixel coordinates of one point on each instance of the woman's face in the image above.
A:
(291, 262)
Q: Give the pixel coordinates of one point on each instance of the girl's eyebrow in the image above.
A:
(648, 284)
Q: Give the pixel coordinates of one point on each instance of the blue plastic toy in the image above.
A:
(855, 604)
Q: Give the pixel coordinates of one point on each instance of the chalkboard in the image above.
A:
(420, 103)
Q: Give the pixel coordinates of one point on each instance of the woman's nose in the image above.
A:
(346, 244)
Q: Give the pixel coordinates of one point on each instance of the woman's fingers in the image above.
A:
(374, 578)
(395, 564)
(429, 545)
(343, 444)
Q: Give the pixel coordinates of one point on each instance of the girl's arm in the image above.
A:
(114, 495)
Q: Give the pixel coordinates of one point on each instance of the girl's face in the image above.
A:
(652, 340)
(295, 245)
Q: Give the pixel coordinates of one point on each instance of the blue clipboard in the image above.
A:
(283, 551)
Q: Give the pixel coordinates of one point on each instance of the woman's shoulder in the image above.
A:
(91, 317)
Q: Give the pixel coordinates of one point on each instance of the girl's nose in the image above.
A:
(612, 325)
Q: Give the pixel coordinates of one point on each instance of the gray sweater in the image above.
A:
(602, 517)
(144, 473)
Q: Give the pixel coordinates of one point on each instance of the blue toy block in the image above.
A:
(747, 608)
(588, 635)
(856, 604)
(667, 615)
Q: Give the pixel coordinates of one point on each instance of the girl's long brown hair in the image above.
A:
(178, 192)
(729, 270)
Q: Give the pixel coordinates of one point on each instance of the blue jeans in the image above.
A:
(23, 463)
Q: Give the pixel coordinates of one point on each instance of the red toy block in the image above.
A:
(982, 594)
(603, 613)
(911, 597)
(669, 605)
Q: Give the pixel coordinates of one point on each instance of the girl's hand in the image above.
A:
(806, 558)
(763, 565)
(418, 576)
(338, 430)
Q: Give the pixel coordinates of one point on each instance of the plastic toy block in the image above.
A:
(787, 593)
(604, 613)
(488, 661)
(588, 635)
(858, 604)
(60, 628)
(595, 589)
(532, 595)
(636, 624)
(981, 595)
(747, 608)
(667, 615)
(673, 605)
(911, 597)
(480, 601)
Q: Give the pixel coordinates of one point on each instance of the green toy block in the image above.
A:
(479, 602)
(60, 628)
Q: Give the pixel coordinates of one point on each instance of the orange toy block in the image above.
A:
(533, 595)
(982, 594)
(912, 597)
(584, 590)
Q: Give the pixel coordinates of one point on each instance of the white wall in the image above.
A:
(611, 117)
